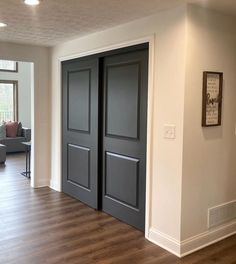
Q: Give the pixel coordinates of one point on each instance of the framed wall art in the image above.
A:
(212, 98)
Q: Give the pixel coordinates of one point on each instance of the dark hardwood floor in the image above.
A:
(41, 226)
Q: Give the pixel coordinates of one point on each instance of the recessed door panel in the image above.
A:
(121, 179)
(79, 100)
(122, 100)
(79, 166)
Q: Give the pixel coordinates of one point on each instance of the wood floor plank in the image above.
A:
(41, 226)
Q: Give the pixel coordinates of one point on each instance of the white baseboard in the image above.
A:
(205, 239)
(195, 243)
(170, 244)
(55, 186)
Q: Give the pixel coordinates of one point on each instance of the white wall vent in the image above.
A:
(221, 214)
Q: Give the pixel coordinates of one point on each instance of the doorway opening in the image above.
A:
(16, 115)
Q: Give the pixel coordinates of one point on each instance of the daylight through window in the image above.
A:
(8, 101)
(9, 66)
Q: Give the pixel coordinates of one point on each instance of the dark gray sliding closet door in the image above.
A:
(80, 130)
(124, 136)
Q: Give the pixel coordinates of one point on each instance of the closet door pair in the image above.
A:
(104, 132)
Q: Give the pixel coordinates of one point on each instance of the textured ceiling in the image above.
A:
(55, 21)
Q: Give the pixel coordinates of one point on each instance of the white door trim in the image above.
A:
(151, 40)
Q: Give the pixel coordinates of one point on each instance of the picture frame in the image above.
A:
(212, 98)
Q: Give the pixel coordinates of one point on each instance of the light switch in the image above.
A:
(170, 131)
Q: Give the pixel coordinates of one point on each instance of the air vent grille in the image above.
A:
(221, 214)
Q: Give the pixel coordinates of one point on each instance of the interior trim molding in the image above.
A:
(165, 241)
(192, 244)
(150, 39)
(208, 238)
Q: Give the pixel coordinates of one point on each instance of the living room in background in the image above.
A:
(23, 79)
(16, 84)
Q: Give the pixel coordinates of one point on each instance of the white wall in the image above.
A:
(168, 104)
(23, 76)
(40, 98)
(209, 167)
(197, 170)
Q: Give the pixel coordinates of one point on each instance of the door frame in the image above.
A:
(33, 85)
(151, 41)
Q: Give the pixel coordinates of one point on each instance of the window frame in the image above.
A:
(15, 97)
(16, 68)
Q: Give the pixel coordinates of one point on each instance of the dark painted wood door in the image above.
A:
(80, 130)
(124, 136)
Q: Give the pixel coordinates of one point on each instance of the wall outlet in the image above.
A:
(169, 131)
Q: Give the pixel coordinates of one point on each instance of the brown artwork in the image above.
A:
(212, 98)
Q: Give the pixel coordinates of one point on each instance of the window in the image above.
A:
(8, 66)
(8, 101)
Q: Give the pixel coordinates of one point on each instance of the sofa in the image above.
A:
(14, 144)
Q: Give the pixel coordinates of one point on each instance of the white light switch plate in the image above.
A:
(170, 131)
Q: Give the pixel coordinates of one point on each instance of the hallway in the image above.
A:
(41, 226)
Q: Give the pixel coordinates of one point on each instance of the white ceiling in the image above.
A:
(55, 21)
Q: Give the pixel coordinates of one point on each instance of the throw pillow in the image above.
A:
(11, 128)
(2, 131)
(19, 130)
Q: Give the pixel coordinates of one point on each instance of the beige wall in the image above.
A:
(209, 167)
(40, 102)
(168, 101)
